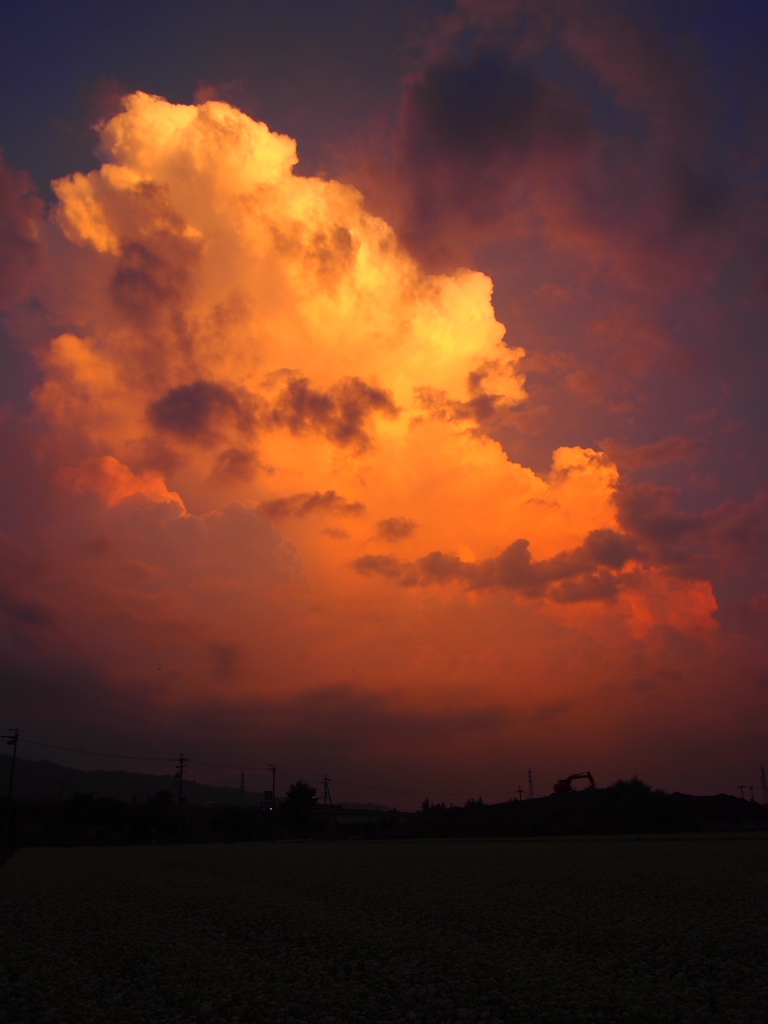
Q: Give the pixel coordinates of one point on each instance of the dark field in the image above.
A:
(667, 930)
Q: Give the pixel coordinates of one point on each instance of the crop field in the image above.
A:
(639, 931)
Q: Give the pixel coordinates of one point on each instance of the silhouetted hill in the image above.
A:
(626, 808)
(44, 780)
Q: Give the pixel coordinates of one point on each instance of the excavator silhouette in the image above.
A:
(564, 785)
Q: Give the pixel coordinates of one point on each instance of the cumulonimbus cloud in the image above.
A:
(258, 398)
(251, 334)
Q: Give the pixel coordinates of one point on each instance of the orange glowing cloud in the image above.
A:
(255, 352)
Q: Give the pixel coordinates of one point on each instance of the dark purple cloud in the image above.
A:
(20, 214)
(656, 453)
(589, 125)
(598, 586)
(151, 275)
(341, 413)
(585, 569)
(469, 125)
(235, 464)
(485, 108)
(300, 505)
(718, 540)
(648, 512)
(395, 528)
(27, 613)
(193, 412)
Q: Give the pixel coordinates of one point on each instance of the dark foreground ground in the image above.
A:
(546, 931)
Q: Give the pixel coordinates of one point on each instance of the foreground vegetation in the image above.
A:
(670, 930)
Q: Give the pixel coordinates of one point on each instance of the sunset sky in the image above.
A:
(383, 391)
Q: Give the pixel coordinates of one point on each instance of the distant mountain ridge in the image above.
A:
(46, 780)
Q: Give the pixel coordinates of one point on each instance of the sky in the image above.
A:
(382, 391)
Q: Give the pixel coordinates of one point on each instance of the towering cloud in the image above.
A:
(228, 314)
(265, 436)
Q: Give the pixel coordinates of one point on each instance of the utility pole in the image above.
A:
(273, 769)
(180, 762)
(520, 793)
(530, 784)
(242, 787)
(741, 790)
(765, 786)
(327, 798)
(12, 739)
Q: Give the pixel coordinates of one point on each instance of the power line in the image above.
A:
(364, 785)
(223, 767)
(96, 753)
(229, 767)
(260, 768)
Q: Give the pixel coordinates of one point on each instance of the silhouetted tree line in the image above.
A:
(87, 819)
(625, 808)
(628, 807)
